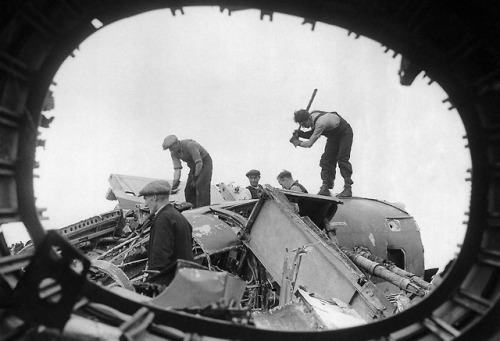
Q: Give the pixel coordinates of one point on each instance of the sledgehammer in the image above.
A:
(296, 132)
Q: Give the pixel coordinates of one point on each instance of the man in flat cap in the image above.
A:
(171, 234)
(197, 189)
(253, 191)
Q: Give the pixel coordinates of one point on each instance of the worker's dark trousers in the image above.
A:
(337, 150)
(200, 196)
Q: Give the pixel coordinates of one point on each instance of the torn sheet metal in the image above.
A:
(324, 269)
(333, 314)
(198, 288)
(291, 317)
(319, 208)
(212, 234)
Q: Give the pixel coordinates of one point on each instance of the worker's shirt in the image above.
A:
(255, 192)
(245, 194)
(190, 152)
(328, 121)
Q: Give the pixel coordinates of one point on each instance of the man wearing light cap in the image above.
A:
(197, 190)
(337, 149)
(171, 234)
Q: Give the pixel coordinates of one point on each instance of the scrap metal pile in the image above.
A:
(273, 263)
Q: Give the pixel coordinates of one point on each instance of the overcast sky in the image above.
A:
(232, 83)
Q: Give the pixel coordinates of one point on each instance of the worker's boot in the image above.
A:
(324, 190)
(347, 192)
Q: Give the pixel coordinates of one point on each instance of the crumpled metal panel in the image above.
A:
(333, 314)
(275, 234)
(198, 288)
(291, 317)
(213, 234)
(309, 313)
(277, 231)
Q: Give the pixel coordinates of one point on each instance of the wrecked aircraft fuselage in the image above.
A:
(315, 262)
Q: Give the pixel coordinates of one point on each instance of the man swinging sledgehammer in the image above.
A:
(338, 145)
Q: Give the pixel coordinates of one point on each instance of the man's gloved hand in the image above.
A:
(295, 141)
(295, 136)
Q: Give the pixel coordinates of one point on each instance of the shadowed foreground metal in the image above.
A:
(456, 44)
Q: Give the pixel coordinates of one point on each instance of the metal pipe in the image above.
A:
(118, 246)
(380, 271)
(393, 268)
